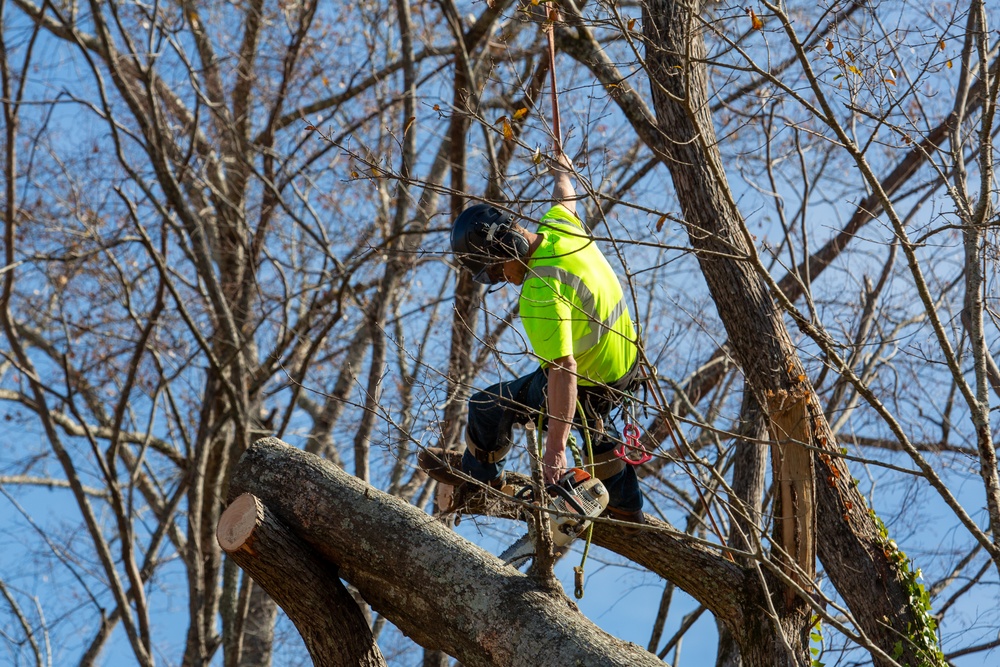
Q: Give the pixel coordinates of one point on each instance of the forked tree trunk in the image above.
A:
(436, 587)
(851, 547)
(448, 594)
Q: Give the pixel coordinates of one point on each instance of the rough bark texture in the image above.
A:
(258, 629)
(736, 594)
(448, 594)
(749, 478)
(433, 585)
(851, 548)
(306, 587)
(749, 475)
(761, 343)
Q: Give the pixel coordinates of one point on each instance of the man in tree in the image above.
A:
(574, 313)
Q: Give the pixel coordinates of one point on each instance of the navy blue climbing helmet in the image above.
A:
(484, 236)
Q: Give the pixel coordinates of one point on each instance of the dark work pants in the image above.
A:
(494, 411)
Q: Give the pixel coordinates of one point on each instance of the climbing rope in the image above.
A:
(589, 467)
(550, 32)
(578, 571)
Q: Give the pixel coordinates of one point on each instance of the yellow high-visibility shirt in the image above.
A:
(573, 303)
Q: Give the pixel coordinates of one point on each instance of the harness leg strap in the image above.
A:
(484, 456)
(607, 465)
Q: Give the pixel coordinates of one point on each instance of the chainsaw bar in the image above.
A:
(520, 552)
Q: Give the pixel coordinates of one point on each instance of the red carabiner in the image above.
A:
(632, 452)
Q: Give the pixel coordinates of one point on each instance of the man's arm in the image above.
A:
(561, 407)
(563, 191)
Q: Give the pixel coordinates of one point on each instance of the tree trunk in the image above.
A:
(749, 472)
(258, 629)
(853, 550)
(448, 594)
(760, 341)
(306, 587)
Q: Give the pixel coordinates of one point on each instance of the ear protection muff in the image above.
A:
(507, 240)
(483, 235)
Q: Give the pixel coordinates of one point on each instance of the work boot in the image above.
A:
(635, 517)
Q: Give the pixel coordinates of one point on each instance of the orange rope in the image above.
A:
(553, 16)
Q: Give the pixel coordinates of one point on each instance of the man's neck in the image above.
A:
(534, 242)
(515, 269)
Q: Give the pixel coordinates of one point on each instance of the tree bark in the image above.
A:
(305, 586)
(761, 344)
(870, 578)
(258, 629)
(749, 473)
(450, 595)
(436, 587)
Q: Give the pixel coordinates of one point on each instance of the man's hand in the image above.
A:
(553, 462)
(561, 162)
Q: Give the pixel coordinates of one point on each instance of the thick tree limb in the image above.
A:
(435, 586)
(448, 594)
(702, 572)
(305, 586)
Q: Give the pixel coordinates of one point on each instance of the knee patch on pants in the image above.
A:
(485, 456)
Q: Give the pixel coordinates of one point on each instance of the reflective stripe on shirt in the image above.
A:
(599, 328)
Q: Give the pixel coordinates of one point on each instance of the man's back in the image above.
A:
(572, 303)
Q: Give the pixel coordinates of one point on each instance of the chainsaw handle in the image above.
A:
(558, 490)
(563, 489)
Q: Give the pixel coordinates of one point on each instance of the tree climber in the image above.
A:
(573, 310)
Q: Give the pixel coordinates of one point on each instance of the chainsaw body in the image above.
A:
(573, 501)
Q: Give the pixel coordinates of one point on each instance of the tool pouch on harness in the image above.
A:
(607, 464)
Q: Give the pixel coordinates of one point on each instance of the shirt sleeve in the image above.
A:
(560, 213)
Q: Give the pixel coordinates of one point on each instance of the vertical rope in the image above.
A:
(578, 571)
(550, 31)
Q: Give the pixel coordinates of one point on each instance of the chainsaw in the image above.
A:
(573, 501)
